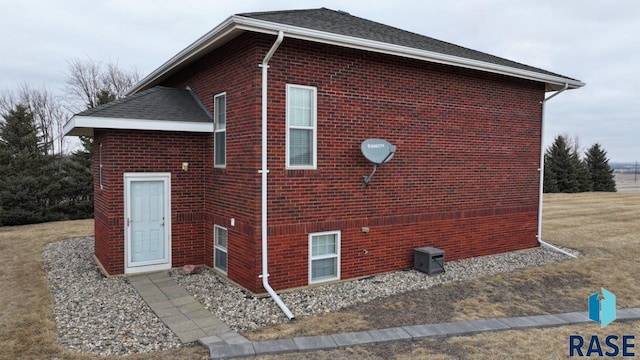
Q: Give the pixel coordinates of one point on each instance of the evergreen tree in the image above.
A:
(19, 134)
(22, 159)
(549, 184)
(104, 97)
(560, 163)
(77, 178)
(581, 173)
(601, 174)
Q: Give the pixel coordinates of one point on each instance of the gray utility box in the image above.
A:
(429, 260)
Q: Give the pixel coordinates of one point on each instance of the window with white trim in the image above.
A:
(220, 132)
(301, 127)
(324, 256)
(220, 248)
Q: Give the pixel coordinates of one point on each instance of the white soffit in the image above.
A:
(84, 125)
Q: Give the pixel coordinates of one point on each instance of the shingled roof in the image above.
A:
(160, 108)
(157, 103)
(343, 23)
(342, 29)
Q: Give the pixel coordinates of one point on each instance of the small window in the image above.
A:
(220, 248)
(220, 141)
(301, 127)
(324, 256)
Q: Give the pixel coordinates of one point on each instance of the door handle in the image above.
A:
(162, 223)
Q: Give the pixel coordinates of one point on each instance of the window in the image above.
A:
(301, 127)
(324, 256)
(220, 248)
(220, 119)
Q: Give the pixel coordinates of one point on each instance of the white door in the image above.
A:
(147, 222)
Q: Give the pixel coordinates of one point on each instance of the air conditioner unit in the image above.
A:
(428, 260)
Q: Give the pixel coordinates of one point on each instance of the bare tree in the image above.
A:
(83, 82)
(49, 114)
(119, 81)
(573, 141)
(46, 109)
(88, 80)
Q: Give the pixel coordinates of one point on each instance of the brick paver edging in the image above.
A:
(403, 333)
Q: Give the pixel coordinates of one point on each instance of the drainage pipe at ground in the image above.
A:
(541, 171)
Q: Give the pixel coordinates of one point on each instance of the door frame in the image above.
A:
(165, 263)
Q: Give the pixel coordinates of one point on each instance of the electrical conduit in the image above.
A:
(541, 170)
(264, 171)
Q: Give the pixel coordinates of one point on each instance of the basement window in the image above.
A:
(324, 256)
(220, 249)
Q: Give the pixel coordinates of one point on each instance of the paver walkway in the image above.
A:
(404, 333)
(190, 321)
(183, 314)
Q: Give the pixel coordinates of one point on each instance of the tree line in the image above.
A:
(566, 172)
(44, 176)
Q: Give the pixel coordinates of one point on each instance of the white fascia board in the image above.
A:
(92, 122)
(69, 126)
(239, 23)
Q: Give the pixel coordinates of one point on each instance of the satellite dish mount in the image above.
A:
(377, 151)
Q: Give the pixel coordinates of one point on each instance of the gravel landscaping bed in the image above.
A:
(95, 314)
(106, 316)
(242, 312)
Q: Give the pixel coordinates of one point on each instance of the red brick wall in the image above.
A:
(150, 151)
(232, 192)
(464, 177)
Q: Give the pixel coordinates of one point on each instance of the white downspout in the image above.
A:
(264, 171)
(541, 170)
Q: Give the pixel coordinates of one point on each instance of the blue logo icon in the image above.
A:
(603, 310)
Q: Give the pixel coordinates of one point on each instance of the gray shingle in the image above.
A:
(342, 23)
(157, 103)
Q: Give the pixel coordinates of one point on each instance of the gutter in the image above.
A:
(264, 171)
(541, 170)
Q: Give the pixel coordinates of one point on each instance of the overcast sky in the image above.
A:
(594, 41)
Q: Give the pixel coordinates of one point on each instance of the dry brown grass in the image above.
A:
(28, 330)
(604, 227)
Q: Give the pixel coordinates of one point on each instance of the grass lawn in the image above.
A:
(605, 228)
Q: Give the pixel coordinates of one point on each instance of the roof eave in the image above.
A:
(234, 24)
(84, 125)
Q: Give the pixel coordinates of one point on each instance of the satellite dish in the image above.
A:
(378, 151)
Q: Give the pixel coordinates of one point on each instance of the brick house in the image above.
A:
(178, 164)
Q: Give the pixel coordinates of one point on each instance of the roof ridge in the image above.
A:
(278, 11)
